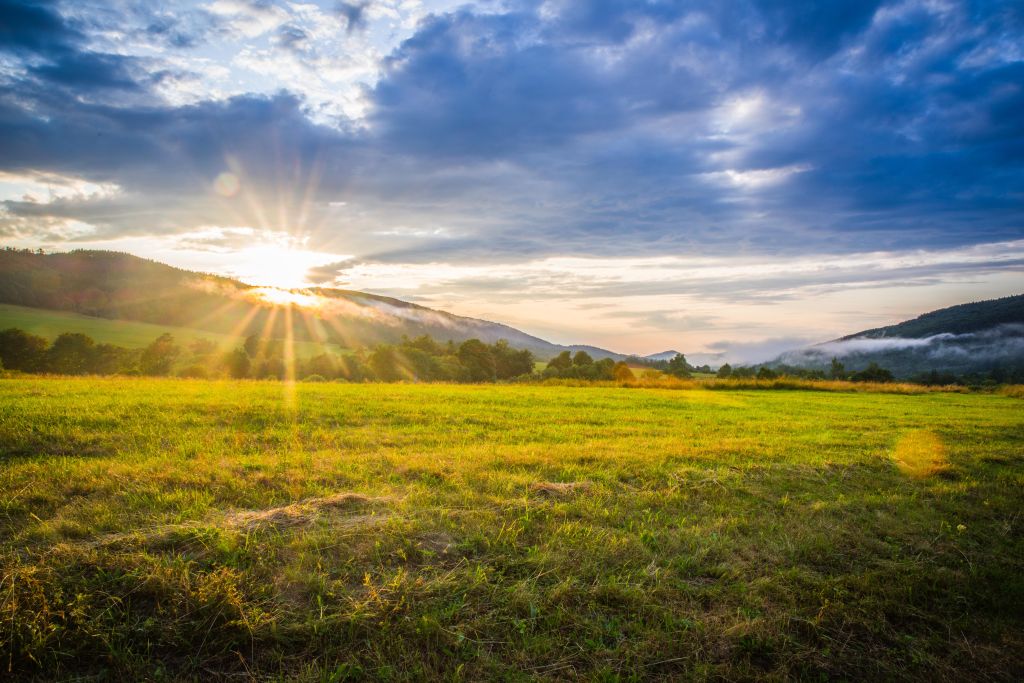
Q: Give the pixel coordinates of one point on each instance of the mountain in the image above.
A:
(120, 286)
(664, 355)
(978, 338)
(960, 319)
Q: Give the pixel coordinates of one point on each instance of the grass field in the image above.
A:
(131, 335)
(176, 529)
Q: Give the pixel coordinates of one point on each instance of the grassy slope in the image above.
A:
(132, 335)
(732, 534)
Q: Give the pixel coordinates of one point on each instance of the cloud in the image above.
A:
(1002, 342)
(746, 352)
(506, 135)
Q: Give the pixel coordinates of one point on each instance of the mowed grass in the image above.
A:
(193, 530)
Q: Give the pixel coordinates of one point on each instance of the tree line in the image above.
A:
(418, 359)
(837, 371)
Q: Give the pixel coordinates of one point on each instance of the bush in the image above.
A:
(314, 378)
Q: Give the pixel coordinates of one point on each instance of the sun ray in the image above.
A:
(289, 360)
(243, 325)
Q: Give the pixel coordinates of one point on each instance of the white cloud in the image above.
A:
(45, 188)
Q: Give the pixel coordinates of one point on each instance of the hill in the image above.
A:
(960, 319)
(122, 287)
(130, 335)
(664, 355)
(979, 338)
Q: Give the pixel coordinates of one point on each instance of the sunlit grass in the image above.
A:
(206, 529)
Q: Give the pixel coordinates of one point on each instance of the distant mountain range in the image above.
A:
(975, 338)
(120, 286)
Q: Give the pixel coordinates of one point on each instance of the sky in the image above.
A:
(729, 178)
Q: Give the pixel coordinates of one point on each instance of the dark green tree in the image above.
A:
(837, 370)
(604, 369)
(725, 371)
(562, 361)
(478, 360)
(872, 373)
(678, 367)
(509, 362)
(108, 359)
(71, 354)
(581, 358)
(20, 350)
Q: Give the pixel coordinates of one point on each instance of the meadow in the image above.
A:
(168, 529)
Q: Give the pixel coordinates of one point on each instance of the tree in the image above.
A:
(622, 372)
(562, 361)
(20, 350)
(725, 371)
(419, 364)
(424, 343)
(202, 347)
(478, 360)
(872, 373)
(251, 346)
(270, 367)
(383, 362)
(323, 365)
(158, 357)
(603, 369)
(582, 358)
(108, 359)
(766, 372)
(71, 354)
(509, 362)
(678, 366)
(837, 369)
(238, 363)
(352, 368)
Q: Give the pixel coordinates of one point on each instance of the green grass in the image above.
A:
(191, 530)
(132, 335)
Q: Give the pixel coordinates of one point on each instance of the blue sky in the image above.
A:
(723, 177)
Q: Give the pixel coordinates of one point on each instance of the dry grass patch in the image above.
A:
(557, 489)
(299, 513)
(1013, 390)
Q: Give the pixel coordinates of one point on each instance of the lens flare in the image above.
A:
(226, 184)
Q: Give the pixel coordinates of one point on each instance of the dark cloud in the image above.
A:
(816, 28)
(354, 14)
(31, 26)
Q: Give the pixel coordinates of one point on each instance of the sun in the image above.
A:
(287, 297)
(277, 265)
